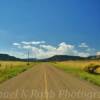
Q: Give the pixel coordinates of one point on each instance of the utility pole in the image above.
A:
(28, 58)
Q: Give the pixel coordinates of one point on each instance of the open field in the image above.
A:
(77, 68)
(9, 69)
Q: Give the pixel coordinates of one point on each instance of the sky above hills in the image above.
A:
(49, 27)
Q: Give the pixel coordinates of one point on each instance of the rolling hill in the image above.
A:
(63, 58)
(6, 57)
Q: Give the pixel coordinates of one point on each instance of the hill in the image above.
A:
(63, 58)
(94, 57)
(6, 57)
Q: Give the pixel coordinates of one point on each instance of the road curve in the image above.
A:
(45, 82)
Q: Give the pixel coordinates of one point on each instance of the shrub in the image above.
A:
(91, 68)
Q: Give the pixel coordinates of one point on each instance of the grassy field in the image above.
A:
(77, 68)
(9, 69)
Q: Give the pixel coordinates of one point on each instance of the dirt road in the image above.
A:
(45, 82)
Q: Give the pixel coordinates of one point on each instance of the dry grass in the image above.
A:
(9, 69)
(11, 63)
(77, 68)
(79, 64)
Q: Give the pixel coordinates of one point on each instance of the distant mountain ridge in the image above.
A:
(63, 58)
(6, 57)
(93, 57)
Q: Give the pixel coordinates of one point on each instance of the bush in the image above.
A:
(91, 68)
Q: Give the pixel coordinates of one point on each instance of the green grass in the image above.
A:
(9, 71)
(79, 72)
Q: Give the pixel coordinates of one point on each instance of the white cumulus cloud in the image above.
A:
(40, 49)
(98, 53)
(83, 45)
(16, 44)
(33, 42)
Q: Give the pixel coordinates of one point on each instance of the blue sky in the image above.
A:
(54, 21)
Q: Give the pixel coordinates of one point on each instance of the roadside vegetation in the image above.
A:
(9, 69)
(77, 69)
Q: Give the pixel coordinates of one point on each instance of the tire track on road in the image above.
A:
(46, 86)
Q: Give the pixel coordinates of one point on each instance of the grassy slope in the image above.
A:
(11, 69)
(76, 68)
